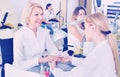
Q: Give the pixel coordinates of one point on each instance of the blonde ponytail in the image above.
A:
(114, 47)
(102, 22)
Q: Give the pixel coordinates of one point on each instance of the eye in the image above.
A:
(41, 14)
(36, 14)
(80, 14)
(84, 14)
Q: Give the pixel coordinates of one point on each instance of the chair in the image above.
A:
(8, 70)
(7, 52)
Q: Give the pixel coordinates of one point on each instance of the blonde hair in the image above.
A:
(101, 20)
(27, 11)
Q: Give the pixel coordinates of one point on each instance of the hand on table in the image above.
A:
(49, 59)
(52, 64)
(65, 59)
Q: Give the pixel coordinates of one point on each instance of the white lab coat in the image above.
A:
(87, 48)
(28, 48)
(49, 15)
(98, 63)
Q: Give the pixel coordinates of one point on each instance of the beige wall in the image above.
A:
(81, 2)
(67, 7)
(63, 10)
(88, 6)
(8, 6)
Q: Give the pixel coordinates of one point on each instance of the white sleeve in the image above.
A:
(77, 61)
(51, 46)
(86, 69)
(19, 58)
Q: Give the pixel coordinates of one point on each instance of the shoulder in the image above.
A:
(72, 27)
(43, 31)
(72, 24)
(20, 32)
(103, 47)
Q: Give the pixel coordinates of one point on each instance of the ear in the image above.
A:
(93, 27)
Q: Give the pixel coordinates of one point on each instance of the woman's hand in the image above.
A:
(65, 59)
(49, 59)
(52, 64)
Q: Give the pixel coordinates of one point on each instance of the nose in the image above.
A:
(40, 17)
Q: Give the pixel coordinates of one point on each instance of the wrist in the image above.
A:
(70, 58)
(39, 60)
(52, 68)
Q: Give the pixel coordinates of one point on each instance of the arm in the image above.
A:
(19, 57)
(73, 30)
(76, 61)
(50, 45)
(87, 68)
(57, 72)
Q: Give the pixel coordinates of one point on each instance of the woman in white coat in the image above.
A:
(32, 41)
(103, 60)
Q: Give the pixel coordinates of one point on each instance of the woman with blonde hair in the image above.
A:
(103, 60)
(32, 41)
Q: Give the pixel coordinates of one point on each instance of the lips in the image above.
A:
(38, 21)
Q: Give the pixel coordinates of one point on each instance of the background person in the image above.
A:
(75, 32)
(50, 19)
(49, 12)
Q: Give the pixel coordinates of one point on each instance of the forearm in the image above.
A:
(26, 64)
(76, 61)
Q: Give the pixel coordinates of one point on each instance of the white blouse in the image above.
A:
(28, 48)
(98, 63)
(72, 40)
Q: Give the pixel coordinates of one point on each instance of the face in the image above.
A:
(50, 8)
(88, 32)
(35, 18)
(81, 15)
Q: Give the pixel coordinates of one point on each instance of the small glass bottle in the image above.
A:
(46, 71)
(42, 71)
